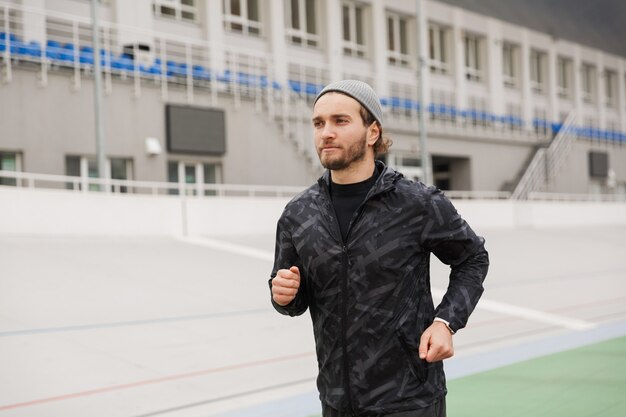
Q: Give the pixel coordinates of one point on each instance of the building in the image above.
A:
(221, 91)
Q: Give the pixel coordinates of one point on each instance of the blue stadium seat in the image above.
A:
(201, 73)
(124, 62)
(67, 53)
(245, 79)
(12, 36)
(264, 82)
(313, 89)
(53, 49)
(225, 77)
(540, 124)
(295, 86)
(33, 49)
(86, 55)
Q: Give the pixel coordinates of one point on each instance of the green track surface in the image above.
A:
(584, 382)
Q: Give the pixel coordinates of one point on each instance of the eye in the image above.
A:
(317, 124)
(342, 121)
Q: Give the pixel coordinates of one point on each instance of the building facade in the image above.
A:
(220, 91)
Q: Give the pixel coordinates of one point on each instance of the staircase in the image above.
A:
(292, 114)
(546, 162)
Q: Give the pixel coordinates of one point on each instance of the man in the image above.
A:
(354, 249)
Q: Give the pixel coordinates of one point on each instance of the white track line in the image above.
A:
(484, 304)
(527, 313)
(230, 247)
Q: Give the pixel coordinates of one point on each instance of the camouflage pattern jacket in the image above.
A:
(369, 296)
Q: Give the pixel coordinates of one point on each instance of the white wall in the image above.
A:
(47, 212)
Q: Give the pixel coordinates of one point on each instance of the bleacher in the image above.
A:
(59, 55)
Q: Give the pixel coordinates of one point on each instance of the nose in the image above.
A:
(328, 132)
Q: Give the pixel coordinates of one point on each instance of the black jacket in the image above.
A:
(369, 297)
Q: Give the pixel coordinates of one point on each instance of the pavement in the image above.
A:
(130, 327)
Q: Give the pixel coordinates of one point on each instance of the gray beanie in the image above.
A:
(359, 91)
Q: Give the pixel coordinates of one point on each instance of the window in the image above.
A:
(242, 16)
(473, 57)
(176, 9)
(353, 38)
(9, 161)
(537, 71)
(588, 82)
(564, 77)
(302, 22)
(86, 167)
(610, 83)
(397, 40)
(193, 173)
(509, 64)
(437, 49)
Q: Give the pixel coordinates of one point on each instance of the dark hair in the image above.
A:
(383, 143)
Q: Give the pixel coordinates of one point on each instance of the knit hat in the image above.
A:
(359, 91)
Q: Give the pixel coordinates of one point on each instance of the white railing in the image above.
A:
(97, 185)
(560, 147)
(539, 196)
(477, 195)
(112, 186)
(533, 178)
(547, 162)
(72, 184)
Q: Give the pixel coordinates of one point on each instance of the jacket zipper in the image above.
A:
(344, 290)
(344, 326)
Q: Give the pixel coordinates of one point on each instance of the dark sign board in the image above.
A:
(195, 130)
(598, 164)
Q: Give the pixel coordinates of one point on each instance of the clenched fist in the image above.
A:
(285, 285)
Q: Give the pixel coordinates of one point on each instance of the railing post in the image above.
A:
(7, 51)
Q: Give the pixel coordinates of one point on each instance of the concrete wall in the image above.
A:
(47, 212)
(48, 123)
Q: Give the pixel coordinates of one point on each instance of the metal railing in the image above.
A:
(540, 196)
(84, 185)
(73, 184)
(545, 164)
(115, 186)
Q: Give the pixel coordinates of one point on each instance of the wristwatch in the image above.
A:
(446, 323)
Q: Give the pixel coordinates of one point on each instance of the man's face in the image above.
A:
(341, 139)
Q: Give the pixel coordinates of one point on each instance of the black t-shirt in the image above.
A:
(347, 198)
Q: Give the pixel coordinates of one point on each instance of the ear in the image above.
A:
(373, 132)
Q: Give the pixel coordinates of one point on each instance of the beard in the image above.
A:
(346, 156)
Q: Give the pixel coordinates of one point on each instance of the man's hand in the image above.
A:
(436, 343)
(285, 285)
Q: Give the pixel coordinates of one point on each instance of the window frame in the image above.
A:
(510, 58)
(395, 54)
(473, 62)
(564, 77)
(352, 47)
(610, 88)
(438, 48)
(246, 25)
(17, 166)
(88, 168)
(537, 71)
(303, 34)
(178, 8)
(179, 167)
(587, 81)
